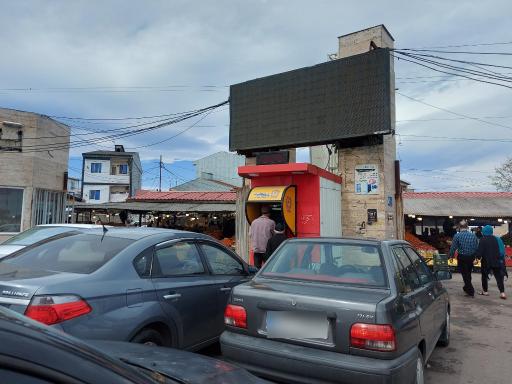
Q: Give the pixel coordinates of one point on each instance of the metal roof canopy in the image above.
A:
(159, 207)
(459, 204)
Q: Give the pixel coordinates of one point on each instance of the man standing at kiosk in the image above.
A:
(260, 232)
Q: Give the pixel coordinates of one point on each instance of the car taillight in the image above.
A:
(373, 337)
(235, 316)
(56, 309)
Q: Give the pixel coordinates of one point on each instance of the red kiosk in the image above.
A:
(307, 199)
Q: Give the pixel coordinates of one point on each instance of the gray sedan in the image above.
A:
(339, 311)
(146, 285)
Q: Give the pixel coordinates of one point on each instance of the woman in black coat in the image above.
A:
(489, 253)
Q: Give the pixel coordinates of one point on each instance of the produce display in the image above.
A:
(426, 251)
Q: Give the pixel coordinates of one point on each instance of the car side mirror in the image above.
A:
(443, 275)
(252, 270)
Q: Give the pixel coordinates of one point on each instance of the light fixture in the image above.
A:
(69, 215)
(505, 222)
(94, 217)
(450, 217)
(192, 218)
(187, 214)
(108, 216)
(420, 219)
(214, 217)
(413, 216)
(500, 220)
(471, 219)
(167, 216)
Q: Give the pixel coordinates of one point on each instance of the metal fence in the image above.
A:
(48, 207)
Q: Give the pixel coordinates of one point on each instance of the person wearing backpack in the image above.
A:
(489, 253)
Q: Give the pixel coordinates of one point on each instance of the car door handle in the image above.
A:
(225, 289)
(173, 296)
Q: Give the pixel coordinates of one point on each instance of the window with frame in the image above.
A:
(94, 194)
(408, 271)
(419, 265)
(142, 263)
(11, 208)
(221, 262)
(123, 169)
(177, 260)
(95, 167)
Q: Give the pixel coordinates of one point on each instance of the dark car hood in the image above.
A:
(181, 365)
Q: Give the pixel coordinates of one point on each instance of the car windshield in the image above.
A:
(36, 234)
(348, 264)
(76, 253)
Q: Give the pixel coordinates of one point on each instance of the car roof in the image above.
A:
(137, 233)
(362, 240)
(73, 225)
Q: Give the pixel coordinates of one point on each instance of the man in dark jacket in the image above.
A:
(275, 241)
(489, 253)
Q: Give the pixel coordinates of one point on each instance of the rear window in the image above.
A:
(36, 234)
(79, 253)
(348, 264)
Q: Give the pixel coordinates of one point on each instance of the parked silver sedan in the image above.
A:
(145, 285)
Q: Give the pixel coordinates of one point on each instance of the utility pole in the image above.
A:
(160, 173)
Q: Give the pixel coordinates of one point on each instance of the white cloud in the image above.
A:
(161, 43)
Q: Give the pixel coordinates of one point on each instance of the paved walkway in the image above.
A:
(480, 350)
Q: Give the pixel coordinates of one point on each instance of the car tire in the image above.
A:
(148, 337)
(444, 340)
(420, 369)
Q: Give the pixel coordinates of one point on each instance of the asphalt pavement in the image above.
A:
(480, 350)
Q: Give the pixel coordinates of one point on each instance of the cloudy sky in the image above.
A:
(117, 59)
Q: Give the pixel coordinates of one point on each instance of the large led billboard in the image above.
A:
(325, 103)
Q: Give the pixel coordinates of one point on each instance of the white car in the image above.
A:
(38, 233)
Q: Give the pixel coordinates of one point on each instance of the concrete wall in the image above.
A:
(29, 169)
(355, 206)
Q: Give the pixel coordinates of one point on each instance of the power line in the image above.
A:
(454, 113)
(462, 138)
(449, 73)
(461, 45)
(455, 52)
(56, 146)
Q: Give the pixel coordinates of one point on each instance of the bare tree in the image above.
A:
(502, 180)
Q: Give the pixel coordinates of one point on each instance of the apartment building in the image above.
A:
(110, 176)
(34, 152)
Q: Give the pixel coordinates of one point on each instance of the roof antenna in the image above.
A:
(105, 230)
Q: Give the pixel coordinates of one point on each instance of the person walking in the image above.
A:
(490, 253)
(260, 233)
(466, 244)
(276, 240)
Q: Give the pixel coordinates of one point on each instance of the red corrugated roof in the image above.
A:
(184, 196)
(457, 195)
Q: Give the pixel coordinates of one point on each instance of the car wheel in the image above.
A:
(420, 373)
(444, 340)
(148, 337)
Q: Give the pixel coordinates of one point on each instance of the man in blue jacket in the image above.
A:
(466, 244)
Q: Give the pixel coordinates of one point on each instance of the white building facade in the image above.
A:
(110, 176)
(221, 166)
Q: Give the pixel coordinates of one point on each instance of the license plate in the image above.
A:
(293, 325)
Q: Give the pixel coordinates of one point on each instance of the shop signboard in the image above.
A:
(366, 179)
